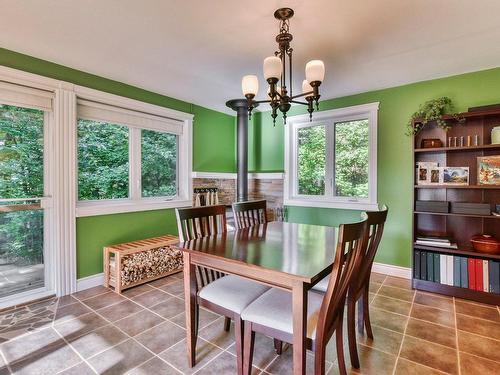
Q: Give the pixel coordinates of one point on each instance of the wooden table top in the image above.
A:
(302, 250)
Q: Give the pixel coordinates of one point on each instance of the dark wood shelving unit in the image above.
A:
(460, 227)
(455, 214)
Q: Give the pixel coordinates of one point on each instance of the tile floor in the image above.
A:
(142, 332)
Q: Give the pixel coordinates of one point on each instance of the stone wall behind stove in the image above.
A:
(261, 188)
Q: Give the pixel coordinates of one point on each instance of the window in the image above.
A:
(129, 160)
(331, 162)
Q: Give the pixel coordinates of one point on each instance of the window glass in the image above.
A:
(103, 160)
(21, 152)
(351, 158)
(311, 160)
(159, 164)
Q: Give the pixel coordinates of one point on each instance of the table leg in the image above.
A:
(299, 296)
(190, 302)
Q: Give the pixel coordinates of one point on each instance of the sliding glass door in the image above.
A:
(22, 216)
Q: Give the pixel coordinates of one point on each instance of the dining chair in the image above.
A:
(247, 214)
(271, 314)
(358, 292)
(223, 294)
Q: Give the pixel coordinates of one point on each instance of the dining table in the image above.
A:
(289, 256)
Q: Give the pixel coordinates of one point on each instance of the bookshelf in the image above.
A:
(461, 227)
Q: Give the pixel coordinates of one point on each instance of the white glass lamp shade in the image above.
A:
(306, 87)
(250, 85)
(272, 67)
(315, 71)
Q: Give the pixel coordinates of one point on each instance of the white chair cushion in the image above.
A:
(274, 309)
(322, 285)
(232, 292)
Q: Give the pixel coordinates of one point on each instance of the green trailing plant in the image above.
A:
(431, 110)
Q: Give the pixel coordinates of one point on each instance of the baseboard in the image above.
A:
(389, 269)
(89, 281)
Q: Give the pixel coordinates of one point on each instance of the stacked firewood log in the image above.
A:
(150, 263)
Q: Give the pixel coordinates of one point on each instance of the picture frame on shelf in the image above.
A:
(488, 170)
(456, 175)
(426, 173)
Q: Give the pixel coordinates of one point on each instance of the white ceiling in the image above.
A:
(198, 50)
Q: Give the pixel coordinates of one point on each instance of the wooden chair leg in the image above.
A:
(351, 332)
(340, 346)
(366, 313)
(238, 335)
(248, 343)
(278, 346)
(227, 324)
(319, 360)
(196, 323)
(361, 315)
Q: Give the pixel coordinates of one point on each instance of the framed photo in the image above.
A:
(425, 174)
(436, 176)
(456, 175)
(488, 170)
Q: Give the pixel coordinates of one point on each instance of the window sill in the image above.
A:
(362, 206)
(107, 208)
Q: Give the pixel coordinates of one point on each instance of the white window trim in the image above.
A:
(135, 202)
(369, 111)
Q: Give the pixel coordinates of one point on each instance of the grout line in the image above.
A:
(7, 365)
(420, 364)
(478, 335)
(77, 353)
(404, 334)
(456, 335)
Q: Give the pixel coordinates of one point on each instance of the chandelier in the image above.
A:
(281, 98)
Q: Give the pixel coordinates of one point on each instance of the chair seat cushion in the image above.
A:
(274, 309)
(232, 292)
(322, 285)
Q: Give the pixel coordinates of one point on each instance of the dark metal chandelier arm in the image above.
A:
(297, 102)
(310, 93)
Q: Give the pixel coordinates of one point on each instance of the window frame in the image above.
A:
(168, 120)
(329, 119)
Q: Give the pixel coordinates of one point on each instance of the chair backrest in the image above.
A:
(247, 214)
(196, 222)
(350, 248)
(375, 221)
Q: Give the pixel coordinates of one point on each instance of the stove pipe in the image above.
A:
(241, 108)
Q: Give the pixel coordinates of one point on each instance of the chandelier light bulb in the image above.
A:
(306, 87)
(315, 71)
(272, 67)
(250, 85)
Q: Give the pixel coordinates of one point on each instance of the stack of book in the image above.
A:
(472, 273)
(436, 241)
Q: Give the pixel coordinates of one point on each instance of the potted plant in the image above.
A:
(431, 110)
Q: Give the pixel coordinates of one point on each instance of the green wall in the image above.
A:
(395, 170)
(213, 150)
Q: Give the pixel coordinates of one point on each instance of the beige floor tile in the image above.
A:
(120, 310)
(432, 332)
(174, 288)
(383, 339)
(405, 367)
(91, 292)
(206, 317)
(151, 298)
(136, 290)
(373, 361)
(433, 315)
(392, 305)
(479, 311)
(177, 355)
(138, 323)
(377, 277)
(161, 337)
(434, 301)
(283, 364)
(98, 341)
(104, 300)
(430, 354)
(472, 365)
(170, 308)
(120, 358)
(263, 352)
(155, 366)
(44, 352)
(70, 311)
(215, 334)
(398, 293)
(80, 369)
(225, 363)
(83, 324)
(478, 345)
(385, 319)
(479, 326)
(398, 282)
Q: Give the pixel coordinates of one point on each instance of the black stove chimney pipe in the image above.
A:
(241, 108)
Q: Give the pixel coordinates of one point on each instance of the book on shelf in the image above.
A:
(440, 239)
(451, 245)
(459, 271)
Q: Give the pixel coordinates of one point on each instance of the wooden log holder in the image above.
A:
(139, 262)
